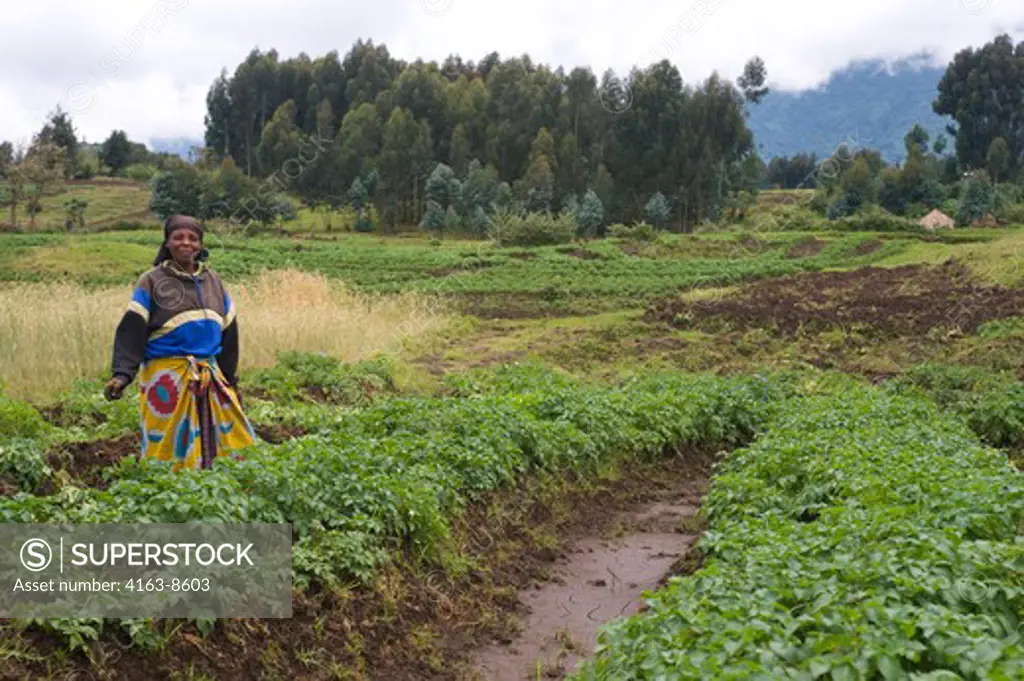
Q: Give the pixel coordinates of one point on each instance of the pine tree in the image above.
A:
(591, 214)
(657, 210)
(433, 217)
(570, 204)
(441, 186)
(452, 221)
(478, 221)
(357, 194)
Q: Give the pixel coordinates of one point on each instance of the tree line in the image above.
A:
(513, 134)
(449, 145)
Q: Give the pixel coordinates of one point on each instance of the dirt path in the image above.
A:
(600, 579)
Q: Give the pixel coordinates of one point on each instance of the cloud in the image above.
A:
(146, 67)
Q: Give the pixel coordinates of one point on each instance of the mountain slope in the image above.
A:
(863, 105)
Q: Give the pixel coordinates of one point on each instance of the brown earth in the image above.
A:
(85, 462)
(56, 415)
(277, 433)
(867, 247)
(413, 624)
(511, 306)
(882, 302)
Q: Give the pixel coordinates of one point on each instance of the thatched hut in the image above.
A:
(937, 220)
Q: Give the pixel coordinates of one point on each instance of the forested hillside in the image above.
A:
(541, 136)
(866, 103)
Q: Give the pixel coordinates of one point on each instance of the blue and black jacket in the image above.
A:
(176, 314)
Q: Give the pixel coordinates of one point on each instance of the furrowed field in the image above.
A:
(445, 422)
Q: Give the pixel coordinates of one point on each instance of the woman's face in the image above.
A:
(184, 244)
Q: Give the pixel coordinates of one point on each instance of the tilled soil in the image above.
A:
(912, 300)
(278, 433)
(86, 461)
(531, 305)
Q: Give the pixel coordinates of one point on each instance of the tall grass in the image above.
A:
(53, 333)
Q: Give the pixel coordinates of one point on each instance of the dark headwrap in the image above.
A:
(172, 224)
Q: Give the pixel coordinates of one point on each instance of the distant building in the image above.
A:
(937, 220)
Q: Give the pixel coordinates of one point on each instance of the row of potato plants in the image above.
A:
(393, 474)
(865, 534)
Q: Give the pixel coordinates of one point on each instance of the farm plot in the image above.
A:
(807, 534)
(862, 536)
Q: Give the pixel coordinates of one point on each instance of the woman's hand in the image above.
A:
(114, 388)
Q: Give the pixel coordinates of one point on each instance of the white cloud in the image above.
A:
(146, 68)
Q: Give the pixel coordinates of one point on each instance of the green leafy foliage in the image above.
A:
(22, 463)
(863, 535)
(20, 419)
(306, 377)
(394, 473)
(533, 229)
(590, 215)
(640, 231)
(977, 198)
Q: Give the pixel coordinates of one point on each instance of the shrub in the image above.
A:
(141, 172)
(532, 229)
(640, 231)
(874, 219)
(286, 210)
(22, 463)
(784, 218)
(1012, 213)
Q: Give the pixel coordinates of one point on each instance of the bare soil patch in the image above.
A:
(880, 302)
(86, 461)
(277, 433)
(867, 247)
(582, 254)
(509, 306)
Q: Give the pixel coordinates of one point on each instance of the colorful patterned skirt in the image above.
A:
(190, 414)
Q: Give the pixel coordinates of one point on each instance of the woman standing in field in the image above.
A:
(180, 327)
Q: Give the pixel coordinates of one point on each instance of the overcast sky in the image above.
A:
(145, 67)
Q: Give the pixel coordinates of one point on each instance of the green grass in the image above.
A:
(609, 276)
(997, 259)
(108, 203)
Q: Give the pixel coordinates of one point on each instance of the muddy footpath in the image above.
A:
(600, 578)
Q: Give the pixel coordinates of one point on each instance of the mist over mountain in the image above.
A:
(867, 104)
(174, 145)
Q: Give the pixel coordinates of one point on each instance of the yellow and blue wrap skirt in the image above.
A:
(190, 414)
